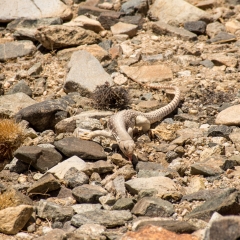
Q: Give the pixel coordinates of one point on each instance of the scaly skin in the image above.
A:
(122, 123)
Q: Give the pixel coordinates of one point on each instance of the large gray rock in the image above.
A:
(167, 223)
(225, 204)
(12, 50)
(25, 29)
(177, 11)
(45, 184)
(45, 115)
(224, 228)
(71, 146)
(53, 211)
(85, 73)
(103, 217)
(162, 185)
(59, 36)
(33, 23)
(162, 28)
(10, 104)
(88, 193)
(14, 9)
(153, 207)
(40, 158)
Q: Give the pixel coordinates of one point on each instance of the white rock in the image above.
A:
(177, 11)
(60, 169)
(15, 9)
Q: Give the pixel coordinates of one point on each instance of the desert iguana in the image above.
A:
(122, 123)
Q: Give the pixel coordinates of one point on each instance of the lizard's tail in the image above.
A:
(160, 113)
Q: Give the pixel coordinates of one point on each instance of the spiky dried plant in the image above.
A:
(11, 137)
(109, 97)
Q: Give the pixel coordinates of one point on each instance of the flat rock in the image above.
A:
(123, 204)
(17, 49)
(148, 74)
(209, 167)
(84, 8)
(124, 28)
(45, 184)
(86, 207)
(60, 169)
(33, 23)
(45, 115)
(71, 146)
(81, 76)
(53, 211)
(153, 207)
(224, 59)
(40, 158)
(38, 9)
(203, 195)
(88, 193)
(222, 37)
(13, 219)
(10, 104)
(223, 228)
(177, 11)
(153, 232)
(229, 116)
(162, 28)
(103, 217)
(166, 223)
(92, 230)
(60, 36)
(86, 23)
(225, 204)
(161, 184)
(152, 169)
(100, 167)
(12, 198)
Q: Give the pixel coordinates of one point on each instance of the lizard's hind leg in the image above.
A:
(93, 134)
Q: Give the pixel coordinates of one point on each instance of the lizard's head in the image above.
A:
(127, 147)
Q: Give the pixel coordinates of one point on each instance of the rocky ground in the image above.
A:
(183, 182)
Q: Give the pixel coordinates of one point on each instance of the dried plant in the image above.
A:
(11, 137)
(108, 97)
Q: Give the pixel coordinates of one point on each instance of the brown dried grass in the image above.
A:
(11, 137)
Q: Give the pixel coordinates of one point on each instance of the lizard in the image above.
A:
(122, 123)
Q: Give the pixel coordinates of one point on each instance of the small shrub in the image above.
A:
(108, 97)
(11, 137)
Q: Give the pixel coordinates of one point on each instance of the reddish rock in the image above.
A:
(156, 233)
